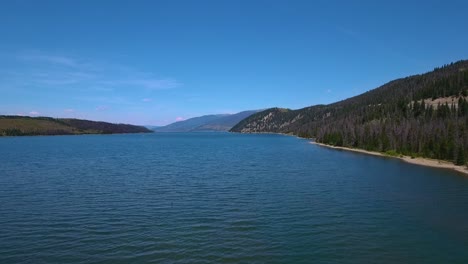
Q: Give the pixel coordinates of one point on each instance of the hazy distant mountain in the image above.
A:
(152, 127)
(222, 122)
(225, 123)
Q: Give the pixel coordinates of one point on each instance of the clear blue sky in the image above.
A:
(152, 62)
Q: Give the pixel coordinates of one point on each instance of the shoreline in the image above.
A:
(441, 164)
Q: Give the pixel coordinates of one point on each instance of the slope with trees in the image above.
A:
(32, 126)
(423, 115)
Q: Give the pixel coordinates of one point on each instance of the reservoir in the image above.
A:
(222, 198)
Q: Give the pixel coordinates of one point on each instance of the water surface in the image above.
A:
(222, 198)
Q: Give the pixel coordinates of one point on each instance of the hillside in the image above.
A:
(423, 115)
(31, 126)
(222, 122)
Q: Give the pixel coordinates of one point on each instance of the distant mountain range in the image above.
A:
(32, 126)
(150, 127)
(221, 122)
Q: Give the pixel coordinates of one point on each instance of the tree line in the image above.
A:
(400, 117)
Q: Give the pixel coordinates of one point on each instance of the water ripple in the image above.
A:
(222, 198)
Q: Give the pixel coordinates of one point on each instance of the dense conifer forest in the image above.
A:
(423, 115)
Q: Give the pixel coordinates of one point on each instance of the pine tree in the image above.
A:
(460, 156)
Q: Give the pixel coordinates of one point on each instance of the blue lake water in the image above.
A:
(222, 198)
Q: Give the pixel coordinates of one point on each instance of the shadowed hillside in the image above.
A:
(31, 126)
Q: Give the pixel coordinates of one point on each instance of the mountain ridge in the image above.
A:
(34, 126)
(216, 122)
(397, 116)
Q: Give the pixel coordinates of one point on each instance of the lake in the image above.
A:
(222, 198)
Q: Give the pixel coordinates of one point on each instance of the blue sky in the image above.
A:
(154, 62)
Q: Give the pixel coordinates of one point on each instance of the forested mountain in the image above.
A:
(222, 122)
(31, 126)
(423, 115)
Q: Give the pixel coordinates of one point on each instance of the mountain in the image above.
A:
(150, 127)
(226, 122)
(32, 126)
(422, 115)
(189, 124)
(222, 122)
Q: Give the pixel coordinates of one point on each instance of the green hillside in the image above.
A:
(423, 115)
(30, 126)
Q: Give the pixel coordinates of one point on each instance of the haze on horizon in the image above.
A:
(155, 62)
